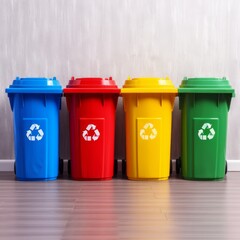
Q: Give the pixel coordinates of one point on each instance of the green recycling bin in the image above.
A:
(204, 105)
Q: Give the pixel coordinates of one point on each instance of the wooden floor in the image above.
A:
(120, 209)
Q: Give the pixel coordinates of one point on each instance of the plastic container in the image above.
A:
(205, 103)
(35, 103)
(148, 105)
(92, 104)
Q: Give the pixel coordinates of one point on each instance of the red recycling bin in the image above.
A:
(92, 105)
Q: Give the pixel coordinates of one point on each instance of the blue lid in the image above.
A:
(35, 85)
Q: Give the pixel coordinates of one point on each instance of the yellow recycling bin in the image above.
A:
(148, 105)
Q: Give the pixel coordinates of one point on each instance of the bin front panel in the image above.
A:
(149, 147)
(34, 136)
(92, 135)
(148, 159)
(198, 109)
(36, 151)
(92, 152)
(205, 154)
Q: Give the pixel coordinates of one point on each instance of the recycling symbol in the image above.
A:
(202, 132)
(148, 127)
(35, 133)
(90, 137)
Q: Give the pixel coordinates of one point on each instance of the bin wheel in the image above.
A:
(115, 168)
(69, 167)
(226, 168)
(124, 168)
(178, 165)
(15, 168)
(60, 167)
(170, 170)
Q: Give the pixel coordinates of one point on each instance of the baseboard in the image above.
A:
(7, 165)
(233, 165)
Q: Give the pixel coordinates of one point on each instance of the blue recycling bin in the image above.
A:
(35, 103)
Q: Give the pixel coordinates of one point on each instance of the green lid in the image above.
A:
(205, 85)
(148, 85)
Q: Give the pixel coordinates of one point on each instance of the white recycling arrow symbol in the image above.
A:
(87, 137)
(153, 133)
(210, 135)
(34, 133)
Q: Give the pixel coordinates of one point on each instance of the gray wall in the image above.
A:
(121, 38)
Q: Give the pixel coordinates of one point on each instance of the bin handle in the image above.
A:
(68, 102)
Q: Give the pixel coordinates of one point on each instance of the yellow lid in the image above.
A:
(148, 85)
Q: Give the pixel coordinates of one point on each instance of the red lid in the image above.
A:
(91, 85)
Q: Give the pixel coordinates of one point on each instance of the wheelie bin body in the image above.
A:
(92, 104)
(35, 103)
(204, 104)
(148, 105)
